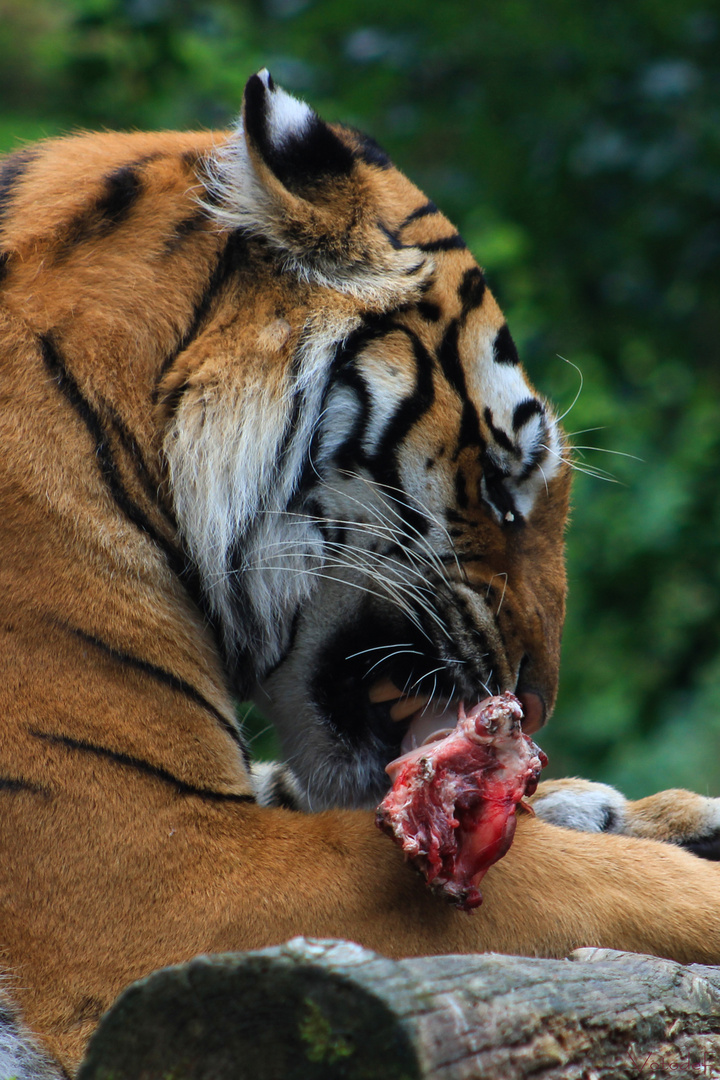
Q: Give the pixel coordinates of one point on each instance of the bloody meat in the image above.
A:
(452, 804)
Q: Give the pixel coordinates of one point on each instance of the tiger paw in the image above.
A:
(674, 816)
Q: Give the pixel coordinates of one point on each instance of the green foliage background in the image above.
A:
(577, 147)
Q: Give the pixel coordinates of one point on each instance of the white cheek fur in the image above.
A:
(235, 454)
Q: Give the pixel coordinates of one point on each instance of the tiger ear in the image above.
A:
(308, 189)
(287, 138)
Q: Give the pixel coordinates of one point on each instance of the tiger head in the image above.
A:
(373, 494)
(304, 410)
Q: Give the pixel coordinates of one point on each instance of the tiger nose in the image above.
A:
(534, 710)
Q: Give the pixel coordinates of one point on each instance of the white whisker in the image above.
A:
(399, 652)
(603, 450)
(376, 648)
(426, 675)
(504, 575)
(579, 392)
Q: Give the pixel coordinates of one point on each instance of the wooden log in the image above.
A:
(315, 1010)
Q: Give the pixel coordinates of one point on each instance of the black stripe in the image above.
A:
(351, 454)
(392, 238)
(103, 454)
(140, 765)
(472, 290)
(371, 152)
(422, 211)
(498, 494)
(452, 515)
(8, 783)
(123, 188)
(12, 169)
(186, 570)
(299, 401)
(461, 496)
(501, 437)
(429, 311)
(525, 411)
(167, 678)
(373, 328)
(183, 230)
(504, 350)
(449, 358)
(171, 401)
(232, 257)
(406, 416)
(150, 485)
(469, 433)
(281, 791)
(4, 259)
(539, 454)
(445, 243)
(383, 463)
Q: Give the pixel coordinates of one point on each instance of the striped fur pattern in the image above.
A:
(265, 433)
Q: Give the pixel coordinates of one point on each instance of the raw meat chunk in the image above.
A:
(452, 803)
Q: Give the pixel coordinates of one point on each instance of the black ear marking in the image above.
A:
(295, 144)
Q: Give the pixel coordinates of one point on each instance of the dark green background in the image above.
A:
(577, 147)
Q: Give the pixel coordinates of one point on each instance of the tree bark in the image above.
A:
(314, 1010)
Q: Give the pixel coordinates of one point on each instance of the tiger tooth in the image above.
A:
(407, 706)
(384, 690)
(441, 733)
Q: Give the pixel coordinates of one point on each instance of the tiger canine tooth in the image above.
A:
(384, 690)
(407, 706)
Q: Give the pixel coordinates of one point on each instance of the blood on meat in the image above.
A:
(452, 803)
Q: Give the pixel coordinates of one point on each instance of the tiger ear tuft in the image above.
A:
(288, 137)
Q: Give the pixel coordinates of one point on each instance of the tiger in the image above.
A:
(266, 436)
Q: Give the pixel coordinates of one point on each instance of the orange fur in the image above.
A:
(128, 839)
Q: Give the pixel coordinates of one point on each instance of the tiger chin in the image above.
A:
(265, 434)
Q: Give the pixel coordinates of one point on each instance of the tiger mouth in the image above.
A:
(362, 699)
(383, 702)
(425, 720)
